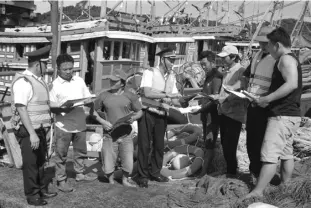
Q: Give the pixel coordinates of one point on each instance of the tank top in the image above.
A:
(290, 104)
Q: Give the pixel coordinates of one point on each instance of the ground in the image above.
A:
(87, 194)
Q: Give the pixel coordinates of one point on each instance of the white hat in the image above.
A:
(227, 50)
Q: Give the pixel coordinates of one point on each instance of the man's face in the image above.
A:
(65, 70)
(273, 49)
(168, 62)
(207, 63)
(264, 46)
(226, 60)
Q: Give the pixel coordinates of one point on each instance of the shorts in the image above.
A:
(278, 139)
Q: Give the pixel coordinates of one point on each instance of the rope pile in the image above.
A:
(302, 139)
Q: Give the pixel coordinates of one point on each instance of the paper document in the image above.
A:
(250, 96)
(239, 94)
(189, 109)
(78, 102)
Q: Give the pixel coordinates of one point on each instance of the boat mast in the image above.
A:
(153, 11)
(103, 9)
(298, 26)
(59, 29)
(54, 29)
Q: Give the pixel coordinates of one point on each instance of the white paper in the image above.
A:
(239, 94)
(78, 102)
(189, 109)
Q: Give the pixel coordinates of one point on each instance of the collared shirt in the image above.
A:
(231, 105)
(147, 80)
(61, 91)
(22, 89)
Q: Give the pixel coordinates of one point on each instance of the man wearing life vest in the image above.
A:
(259, 75)
(70, 121)
(31, 120)
(157, 84)
(283, 102)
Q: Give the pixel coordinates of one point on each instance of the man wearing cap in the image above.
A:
(31, 120)
(157, 84)
(70, 121)
(259, 74)
(232, 109)
(117, 140)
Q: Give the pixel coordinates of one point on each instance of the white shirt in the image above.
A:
(61, 91)
(147, 79)
(22, 89)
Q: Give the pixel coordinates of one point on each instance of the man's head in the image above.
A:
(167, 58)
(119, 80)
(38, 60)
(229, 55)
(262, 38)
(279, 42)
(65, 66)
(207, 58)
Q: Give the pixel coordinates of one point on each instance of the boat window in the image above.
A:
(116, 50)
(63, 47)
(106, 50)
(181, 49)
(19, 50)
(137, 53)
(126, 50)
(133, 53)
(75, 47)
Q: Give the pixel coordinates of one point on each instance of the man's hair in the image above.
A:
(280, 35)
(62, 58)
(236, 57)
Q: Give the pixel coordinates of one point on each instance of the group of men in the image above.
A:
(271, 120)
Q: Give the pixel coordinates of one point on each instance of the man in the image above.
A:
(209, 114)
(70, 121)
(152, 125)
(118, 142)
(259, 74)
(283, 102)
(31, 120)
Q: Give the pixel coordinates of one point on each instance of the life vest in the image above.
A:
(187, 171)
(38, 107)
(261, 73)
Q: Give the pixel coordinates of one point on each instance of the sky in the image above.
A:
(251, 7)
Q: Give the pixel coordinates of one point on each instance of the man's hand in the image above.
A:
(195, 111)
(67, 105)
(166, 106)
(34, 141)
(131, 120)
(107, 125)
(263, 101)
(175, 95)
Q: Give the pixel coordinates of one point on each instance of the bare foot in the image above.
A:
(126, 183)
(111, 179)
(253, 194)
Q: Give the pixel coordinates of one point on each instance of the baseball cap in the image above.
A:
(262, 35)
(227, 50)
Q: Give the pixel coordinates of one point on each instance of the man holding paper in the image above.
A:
(259, 74)
(122, 108)
(70, 121)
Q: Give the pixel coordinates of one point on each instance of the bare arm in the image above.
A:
(137, 115)
(288, 69)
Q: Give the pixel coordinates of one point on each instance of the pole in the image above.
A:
(228, 11)
(103, 9)
(141, 8)
(153, 11)
(216, 13)
(89, 2)
(59, 30)
(136, 8)
(54, 29)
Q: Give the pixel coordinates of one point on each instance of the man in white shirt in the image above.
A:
(31, 121)
(70, 121)
(156, 85)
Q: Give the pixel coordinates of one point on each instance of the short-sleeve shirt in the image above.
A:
(117, 106)
(231, 105)
(63, 90)
(22, 89)
(147, 80)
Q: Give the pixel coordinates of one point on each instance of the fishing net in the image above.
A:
(302, 139)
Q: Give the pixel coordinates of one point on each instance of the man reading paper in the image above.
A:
(70, 121)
